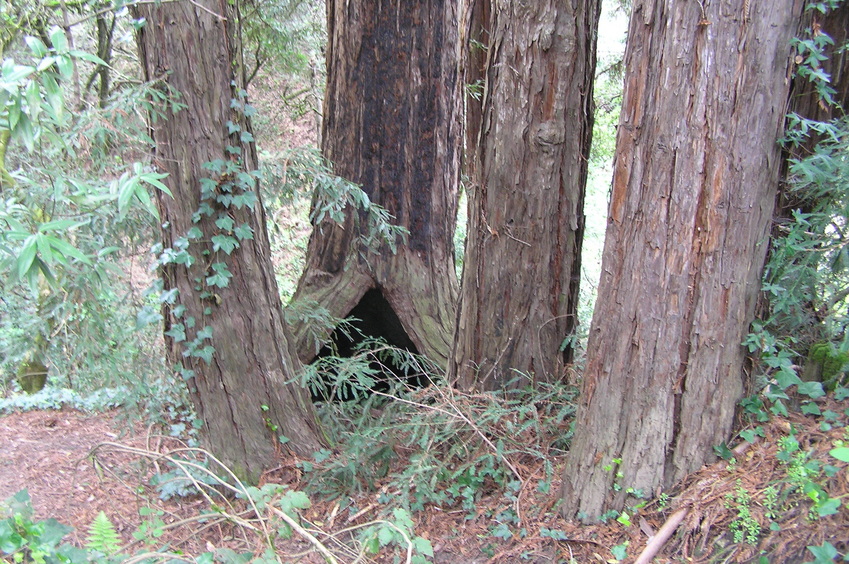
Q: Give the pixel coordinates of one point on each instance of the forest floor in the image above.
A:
(50, 454)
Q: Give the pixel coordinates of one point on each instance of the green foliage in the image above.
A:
(440, 447)
(745, 527)
(286, 37)
(824, 554)
(102, 536)
(25, 540)
(305, 171)
(68, 198)
(806, 279)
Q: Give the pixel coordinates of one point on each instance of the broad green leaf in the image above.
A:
(53, 93)
(840, 453)
(16, 73)
(385, 535)
(46, 63)
(143, 197)
(33, 100)
(59, 40)
(66, 66)
(14, 113)
(423, 546)
(153, 178)
(823, 554)
(25, 132)
(811, 389)
(225, 222)
(787, 378)
(60, 225)
(26, 257)
(126, 190)
(44, 250)
(243, 232)
(88, 57)
(67, 249)
(36, 46)
(225, 243)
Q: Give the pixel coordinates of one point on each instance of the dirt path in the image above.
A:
(46, 453)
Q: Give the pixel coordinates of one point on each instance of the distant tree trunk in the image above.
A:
(241, 394)
(695, 177)
(475, 38)
(804, 98)
(522, 266)
(391, 124)
(806, 102)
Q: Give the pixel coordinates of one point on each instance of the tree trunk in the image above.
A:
(522, 267)
(695, 179)
(391, 124)
(240, 393)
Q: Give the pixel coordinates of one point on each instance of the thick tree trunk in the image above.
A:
(695, 178)
(526, 223)
(241, 392)
(391, 124)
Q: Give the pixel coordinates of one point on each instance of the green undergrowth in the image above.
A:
(436, 446)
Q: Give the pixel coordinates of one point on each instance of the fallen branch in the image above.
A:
(657, 541)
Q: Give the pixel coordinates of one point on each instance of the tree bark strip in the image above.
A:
(695, 179)
(526, 223)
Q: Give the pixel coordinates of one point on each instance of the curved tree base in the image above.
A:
(421, 299)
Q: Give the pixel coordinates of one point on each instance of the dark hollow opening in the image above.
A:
(371, 319)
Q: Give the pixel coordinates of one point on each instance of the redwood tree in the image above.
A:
(391, 124)
(228, 339)
(695, 178)
(526, 223)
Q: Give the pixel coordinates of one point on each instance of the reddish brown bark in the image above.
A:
(392, 125)
(526, 222)
(695, 178)
(241, 395)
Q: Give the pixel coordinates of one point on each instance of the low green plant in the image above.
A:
(825, 553)
(102, 536)
(24, 540)
(744, 528)
(442, 447)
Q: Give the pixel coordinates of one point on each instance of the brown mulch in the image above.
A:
(48, 453)
(45, 453)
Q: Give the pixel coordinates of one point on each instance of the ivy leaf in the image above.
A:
(205, 333)
(205, 353)
(177, 332)
(247, 199)
(824, 554)
(502, 531)
(221, 277)
(224, 243)
(620, 551)
(225, 222)
(811, 389)
(810, 408)
(787, 378)
(423, 546)
(243, 232)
